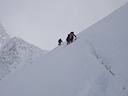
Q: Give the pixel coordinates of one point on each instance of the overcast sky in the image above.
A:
(43, 22)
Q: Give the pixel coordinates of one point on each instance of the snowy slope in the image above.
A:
(108, 40)
(95, 64)
(4, 37)
(16, 54)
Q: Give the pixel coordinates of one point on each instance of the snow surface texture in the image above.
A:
(16, 54)
(4, 37)
(96, 64)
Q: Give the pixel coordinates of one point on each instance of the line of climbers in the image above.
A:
(69, 39)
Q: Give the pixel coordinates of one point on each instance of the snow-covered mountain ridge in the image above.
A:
(95, 64)
(17, 53)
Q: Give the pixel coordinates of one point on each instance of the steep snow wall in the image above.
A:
(108, 40)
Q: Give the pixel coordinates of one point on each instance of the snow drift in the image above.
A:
(95, 64)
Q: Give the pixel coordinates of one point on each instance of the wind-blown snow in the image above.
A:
(96, 64)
